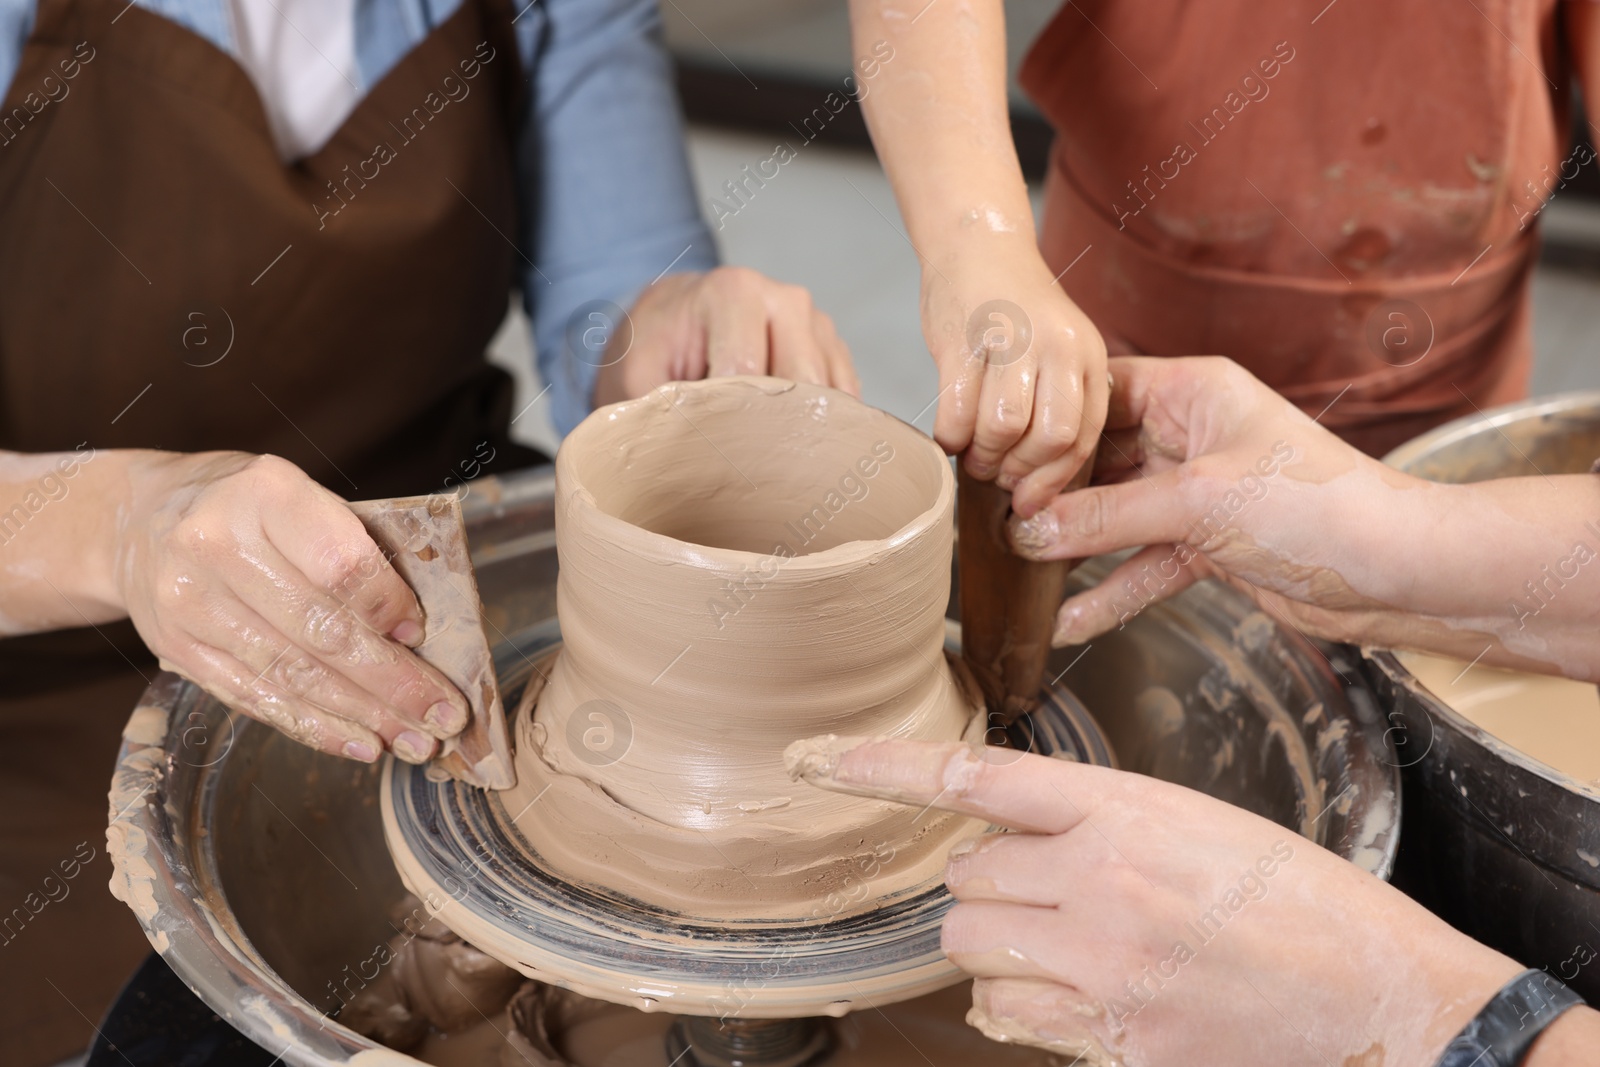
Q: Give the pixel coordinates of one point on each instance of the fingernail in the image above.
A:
(413, 747)
(1007, 482)
(1071, 627)
(964, 848)
(1032, 536)
(360, 750)
(980, 471)
(408, 633)
(817, 757)
(446, 718)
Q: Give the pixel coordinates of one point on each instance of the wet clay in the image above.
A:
(522, 1035)
(744, 561)
(431, 982)
(929, 1031)
(1554, 720)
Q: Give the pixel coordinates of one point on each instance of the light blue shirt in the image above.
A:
(607, 201)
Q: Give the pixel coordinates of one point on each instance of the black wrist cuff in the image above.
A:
(1501, 1034)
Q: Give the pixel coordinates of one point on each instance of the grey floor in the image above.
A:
(828, 222)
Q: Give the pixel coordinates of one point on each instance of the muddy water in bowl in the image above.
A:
(1554, 720)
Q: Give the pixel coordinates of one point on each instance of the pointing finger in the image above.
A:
(1017, 790)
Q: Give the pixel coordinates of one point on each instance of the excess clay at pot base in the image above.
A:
(930, 1031)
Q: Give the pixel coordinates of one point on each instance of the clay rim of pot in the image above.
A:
(577, 472)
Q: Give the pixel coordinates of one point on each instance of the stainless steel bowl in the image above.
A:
(258, 867)
(1496, 840)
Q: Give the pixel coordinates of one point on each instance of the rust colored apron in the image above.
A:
(1339, 197)
(167, 282)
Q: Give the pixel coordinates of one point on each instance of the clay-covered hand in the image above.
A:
(1022, 374)
(1219, 476)
(259, 585)
(728, 321)
(1139, 923)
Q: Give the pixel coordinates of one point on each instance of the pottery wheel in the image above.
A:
(496, 889)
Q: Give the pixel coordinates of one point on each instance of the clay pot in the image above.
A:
(743, 562)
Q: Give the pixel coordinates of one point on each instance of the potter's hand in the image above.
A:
(259, 585)
(728, 321)
(1021, 370)
(1167, 927)
(1220, 476)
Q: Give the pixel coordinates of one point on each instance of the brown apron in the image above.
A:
(166, 282)
(1341, 205)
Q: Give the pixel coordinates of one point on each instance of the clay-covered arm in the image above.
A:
(1130, 920)
(242, 574)
(58, 518)
(1219, 476)
(1021, 369)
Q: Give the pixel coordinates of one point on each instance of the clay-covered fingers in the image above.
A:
(1149, 576)
(796, 351)
(299, 679)
(320, 580)
(412, 694)
(1105, 518)
(264, 588)
(961, 374)
(733, 320)
(1056, 425)
(993, 939)
(755, 325)
(1129, 380)
(1192, 405)
(1065, 434)
(1013, 868)
(1016, 790)
(247, 690)
(1148, 510)
(841, 366)
(324, 541)
(1004, 412)
(1044, 1014)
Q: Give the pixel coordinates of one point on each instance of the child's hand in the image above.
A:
(1021, 370)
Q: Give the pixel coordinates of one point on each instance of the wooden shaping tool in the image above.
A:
(425, 539)
(1008, 604)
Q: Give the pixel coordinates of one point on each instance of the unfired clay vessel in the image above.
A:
(744, 562)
